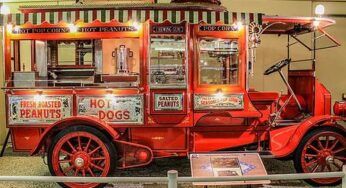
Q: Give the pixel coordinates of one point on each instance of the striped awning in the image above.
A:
(159, 16)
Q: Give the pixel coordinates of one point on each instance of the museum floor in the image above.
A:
(13, 164)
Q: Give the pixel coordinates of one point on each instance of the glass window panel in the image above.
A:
(168, 61)
(66, 53)
(25, 55)
(218, 62)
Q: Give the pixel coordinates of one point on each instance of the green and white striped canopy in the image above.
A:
(104, 15)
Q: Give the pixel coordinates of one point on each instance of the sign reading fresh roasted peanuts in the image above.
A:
(168, 102)
(38, 109)
(112, 109)
(232, 101)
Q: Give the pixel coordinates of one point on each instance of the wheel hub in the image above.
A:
(79, 162)
(325, 156)
(330, 159)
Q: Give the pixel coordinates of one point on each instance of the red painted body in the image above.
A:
(177, 133)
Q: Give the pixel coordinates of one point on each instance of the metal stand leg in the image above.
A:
(5, 143)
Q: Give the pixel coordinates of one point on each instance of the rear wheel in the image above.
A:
(81, 151)
(321, 150)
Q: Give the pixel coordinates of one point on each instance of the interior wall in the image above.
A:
(110, 45)
(331, 66)
(331, 63)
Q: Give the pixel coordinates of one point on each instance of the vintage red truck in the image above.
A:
(98, 87)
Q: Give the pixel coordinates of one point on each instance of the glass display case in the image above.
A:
(218, 61)
(167, 61)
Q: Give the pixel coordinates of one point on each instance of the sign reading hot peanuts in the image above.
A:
(114, 109)
(38, 109)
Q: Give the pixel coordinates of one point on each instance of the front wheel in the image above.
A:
(321, 150)
(81, 151)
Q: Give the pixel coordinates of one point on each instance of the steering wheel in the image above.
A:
(278, 66)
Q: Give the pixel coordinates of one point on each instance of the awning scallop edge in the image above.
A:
(123, 16)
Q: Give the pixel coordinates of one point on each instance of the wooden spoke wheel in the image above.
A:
(322, 150)
(81, 151)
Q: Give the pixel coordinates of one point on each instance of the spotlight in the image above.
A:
(39, 96)
(4, 9)
(319, 10)
(9, 28)
(136, 25)
(73, 28)
(219, 94)
(109, 94)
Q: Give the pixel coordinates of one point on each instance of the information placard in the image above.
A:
(38, 109)
(228, 102)
(113, 109)
(225, 165)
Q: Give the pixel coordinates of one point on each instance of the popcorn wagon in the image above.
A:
(102, 87)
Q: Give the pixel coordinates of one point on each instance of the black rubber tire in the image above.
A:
(110, 147)
(298, 152)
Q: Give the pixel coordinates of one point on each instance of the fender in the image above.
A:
(72, 121)
(283, 141)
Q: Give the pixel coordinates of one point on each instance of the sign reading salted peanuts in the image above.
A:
(38, 109)
(168, 102)
(112, 109)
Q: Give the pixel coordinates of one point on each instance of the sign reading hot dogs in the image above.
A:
(233, 101)
(38, 109)
(115, 109)
(169, 102)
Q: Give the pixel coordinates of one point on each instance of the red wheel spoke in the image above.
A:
(320, 144)
(76, 172)
(315, 168)
(83, 172)
(334, 144)
(311, 163)
(97, 158)
(71, 146)
(64, 161)
(87, 146)
(79, 143)
(93, 151)
(68, 169)
(340, 158)
(339, 150)
(97, 167)
(313, 147)
(91, 172)
(327, 141)
(310, 155)
(323, 167)
(67, 153)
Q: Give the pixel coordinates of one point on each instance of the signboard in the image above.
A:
(168, 102)
(79, 29)
(230, 102)
(38, 109)
(112, 109)
(168, 29)
(227, 164)
(217, 28)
